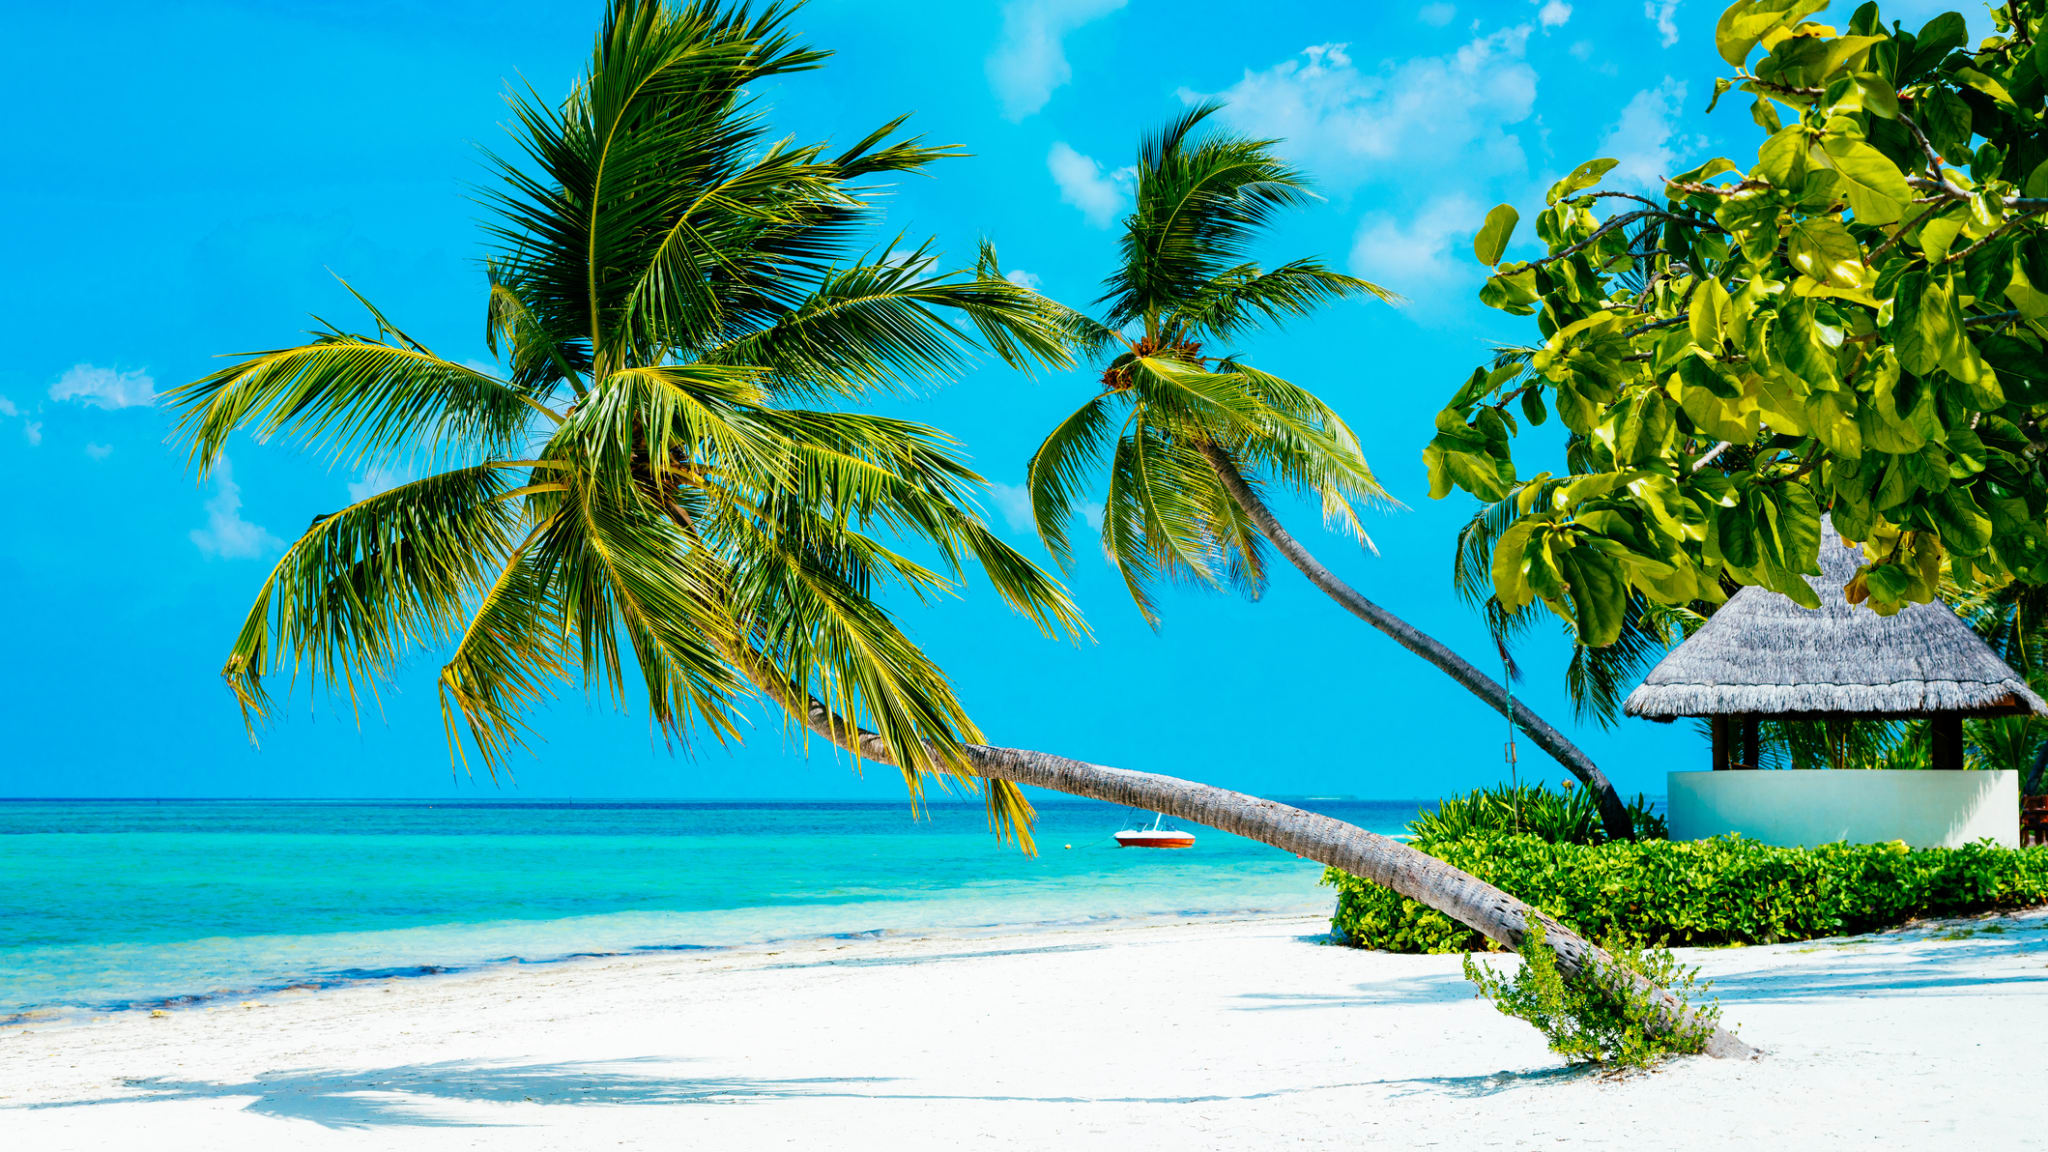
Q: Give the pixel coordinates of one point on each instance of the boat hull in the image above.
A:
(1161, 839)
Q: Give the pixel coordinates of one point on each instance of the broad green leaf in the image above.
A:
(1511, 292)
(1964, 526)
(1812, 61)
(1733, 419)
(1939, 233)
(1984, 84)
(1967, 455)
(1942, 35)
(1745, 22)
(1918, 345)
(1833, 416)
(1642, 428)
(1583, 177)
(1719, 165)
(1476, 385)
(1884, 427)
(1782, 158)
(1945, 117)
(1878, 96)
(1599, 595)
(1492, 239)
(1798, 528)
(1510, 566)
(1752, 216)
(1875, 187)
(1820, 247)
(1709, 304)
(1940, 326)
(1781, 398)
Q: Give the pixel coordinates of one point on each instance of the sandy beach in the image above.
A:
(1229, 1034)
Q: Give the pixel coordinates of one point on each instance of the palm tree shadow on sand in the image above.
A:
(406, 1095)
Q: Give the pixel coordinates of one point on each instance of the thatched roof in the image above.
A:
(1762, 654)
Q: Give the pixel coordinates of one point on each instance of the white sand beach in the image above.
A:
(1229, 1034)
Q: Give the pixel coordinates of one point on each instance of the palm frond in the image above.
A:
(629, 583)
(882, 325)
(1599, 679)
(1058, 472)
(1245, 297)
(506, 661)
(367, 584)
(1200, 203)
(366, 400)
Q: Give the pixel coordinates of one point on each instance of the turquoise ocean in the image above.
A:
(110, 905)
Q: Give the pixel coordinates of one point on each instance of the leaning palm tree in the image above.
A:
(1191, 437)
(640, 501)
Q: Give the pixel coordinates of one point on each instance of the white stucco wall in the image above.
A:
(1925, 809)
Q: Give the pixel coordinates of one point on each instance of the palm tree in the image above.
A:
(1191, 438)
(640, 495)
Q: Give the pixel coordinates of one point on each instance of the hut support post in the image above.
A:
(1719, 726)
(1945, 734)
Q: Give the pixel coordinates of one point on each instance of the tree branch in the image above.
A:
(1621, 221)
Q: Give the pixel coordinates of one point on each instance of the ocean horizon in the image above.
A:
(111, 904)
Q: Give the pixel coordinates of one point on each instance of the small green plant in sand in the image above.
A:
(1621, 1028)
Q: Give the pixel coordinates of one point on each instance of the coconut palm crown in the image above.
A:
(1202, 434)
(1173, 391)
(639, 502)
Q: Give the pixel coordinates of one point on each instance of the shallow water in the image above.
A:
(125, 903)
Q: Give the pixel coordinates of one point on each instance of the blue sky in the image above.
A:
(182, 189)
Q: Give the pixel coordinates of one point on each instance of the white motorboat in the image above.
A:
(1155, 835)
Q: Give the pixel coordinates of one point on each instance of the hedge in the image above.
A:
(1721, 891)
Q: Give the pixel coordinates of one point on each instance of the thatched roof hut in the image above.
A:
(1763, 655)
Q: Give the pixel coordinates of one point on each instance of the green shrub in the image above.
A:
(1721, 891)
(1623, 1027)
(1564, 816)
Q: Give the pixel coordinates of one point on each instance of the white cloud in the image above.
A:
(226, 534)
(1554, 13)
(1436, 15)
(33, 430)
(1645, 140)
(105, 387)
(1022, 279)
(99, 451)
(1664, 13)
(376, 480)
(1084, 185)
(7, 407)
(1431, 114)
(1427, 256)
(1014, 502)
(1030, 62)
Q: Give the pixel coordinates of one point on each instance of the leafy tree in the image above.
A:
(1192, 436)
(641, 496)
(1848, 325)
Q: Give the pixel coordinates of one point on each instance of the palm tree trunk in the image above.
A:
(1613, 813)
(1420, 877)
